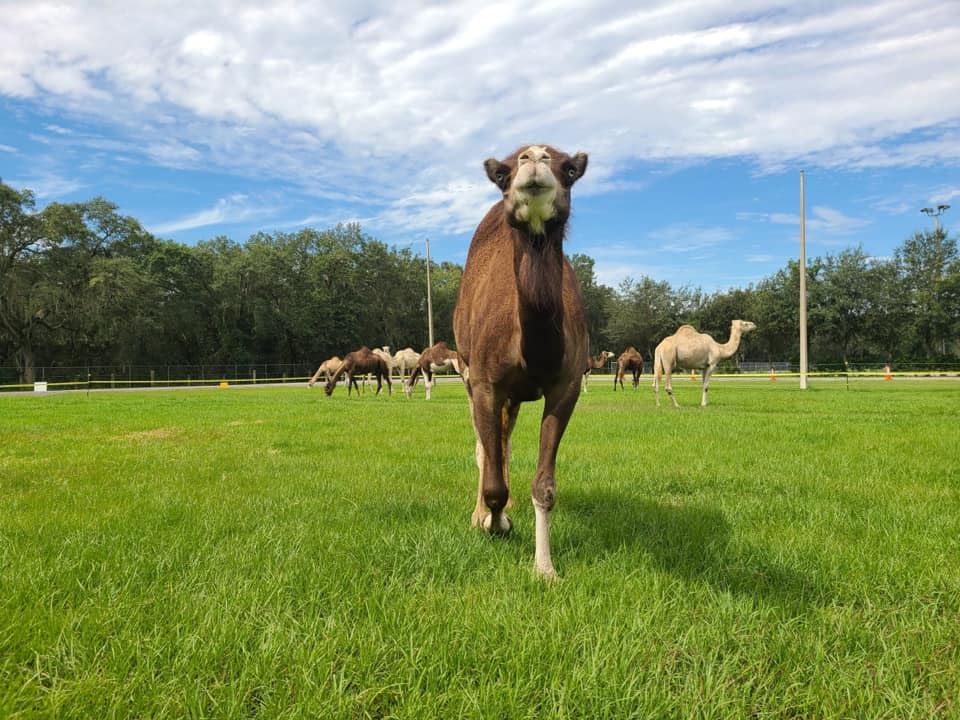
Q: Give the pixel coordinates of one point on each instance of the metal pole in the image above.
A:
(429, 298)
(803, 287)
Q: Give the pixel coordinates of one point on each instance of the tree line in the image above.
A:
(81, 284)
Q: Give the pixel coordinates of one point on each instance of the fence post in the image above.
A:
(153, 378)
(113, 380)
(254, 376)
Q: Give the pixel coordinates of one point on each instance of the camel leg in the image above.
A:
(428, 382)
(707, 372)
(656, 384)
(379, 384)
(312, 381)
(411, 382)
(488, 423)
(508, 419)
(586, 379)
(557, 408)
(636, 379)
(389, 385)
(668, 385)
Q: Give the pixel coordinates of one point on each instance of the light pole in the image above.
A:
(429, 299)
(935, 214)
(803, 286)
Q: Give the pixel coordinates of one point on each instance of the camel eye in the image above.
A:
(572, 172)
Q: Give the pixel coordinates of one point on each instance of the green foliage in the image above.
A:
(80, 284)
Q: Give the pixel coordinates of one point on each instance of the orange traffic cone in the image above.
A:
(887, 375)
(773, 375)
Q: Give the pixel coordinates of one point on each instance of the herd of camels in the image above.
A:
(521, 334)
(686, 349)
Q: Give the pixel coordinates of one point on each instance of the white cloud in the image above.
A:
(398, 103)
(235, 208)
(687, 237)
(822, 218)
(47, 185)
(944, 195)
(8, 149)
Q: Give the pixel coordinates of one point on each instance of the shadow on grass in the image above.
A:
(691, 541)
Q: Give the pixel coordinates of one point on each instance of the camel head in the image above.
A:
(535, 182)
(744, 325)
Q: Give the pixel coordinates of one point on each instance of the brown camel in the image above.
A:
(328, 367)
(595, 363)
(630, 359)
(693, 350)
(435, 358)
(357, 363)
(520, 329)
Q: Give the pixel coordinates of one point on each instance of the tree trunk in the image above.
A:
(25, 364)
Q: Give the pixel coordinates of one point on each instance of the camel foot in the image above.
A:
(546, 572)
(502, 525)
(476, 520)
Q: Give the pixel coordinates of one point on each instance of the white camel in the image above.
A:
(692, 350)
(328, 368)
(405, 361)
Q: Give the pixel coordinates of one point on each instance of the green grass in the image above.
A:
(274, 553)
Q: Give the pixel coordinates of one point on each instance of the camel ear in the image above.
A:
(498, 173)
(579, 166)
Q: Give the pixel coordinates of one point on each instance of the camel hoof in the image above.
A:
(547, 573)
(503, 525)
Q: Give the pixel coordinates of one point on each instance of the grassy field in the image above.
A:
(274, 553)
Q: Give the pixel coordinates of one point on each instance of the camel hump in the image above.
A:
(686, 328)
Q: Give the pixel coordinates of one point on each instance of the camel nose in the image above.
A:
(535, 154)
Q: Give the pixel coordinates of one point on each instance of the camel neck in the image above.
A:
(538, 266)
(538, 262)
(731, 345)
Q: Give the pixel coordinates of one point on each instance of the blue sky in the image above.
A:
(203, 119)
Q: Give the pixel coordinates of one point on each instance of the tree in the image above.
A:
(923, 260)
(597, 301)
(842, 302)
(645, 312)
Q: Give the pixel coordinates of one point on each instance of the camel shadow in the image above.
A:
(693, 542)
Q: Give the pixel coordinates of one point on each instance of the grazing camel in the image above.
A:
(328, 367)
(404, 360)
(436, 358)
(383, 352)
(630, 359)
(595, 363)
(520, 329)
(357, 363)
(693, 350)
